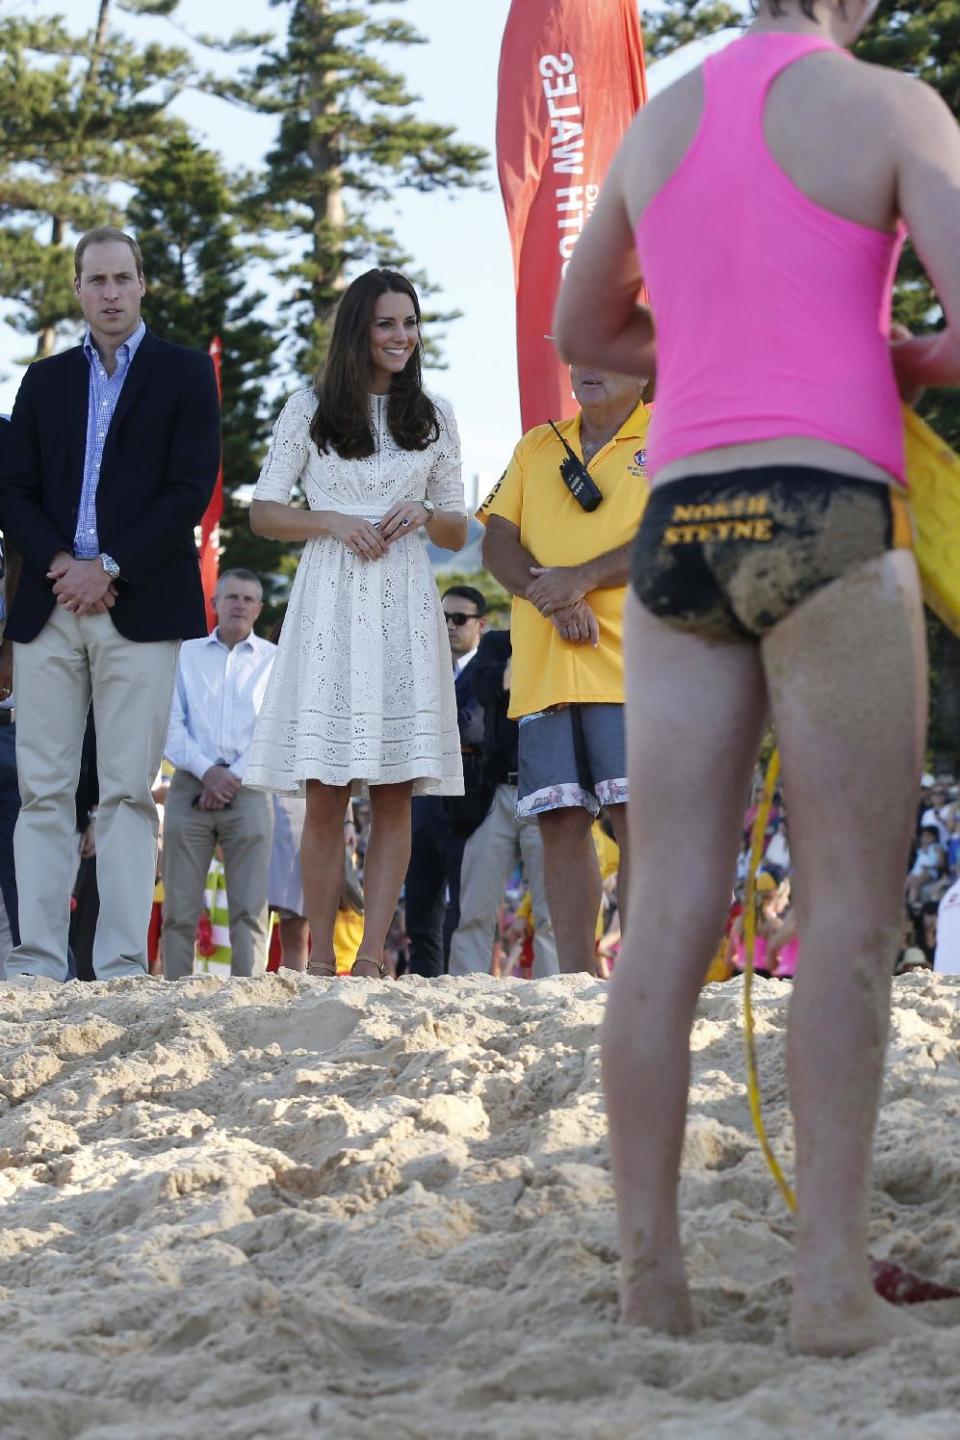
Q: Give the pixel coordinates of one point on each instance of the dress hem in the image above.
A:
(359, 785)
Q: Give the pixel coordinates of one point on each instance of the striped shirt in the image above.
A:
(102, 399)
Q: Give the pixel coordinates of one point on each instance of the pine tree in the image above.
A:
(197, 262)
(347, 138)
(677, 22)
(78, 114)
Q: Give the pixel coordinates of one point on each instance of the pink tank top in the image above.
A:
(772, 313)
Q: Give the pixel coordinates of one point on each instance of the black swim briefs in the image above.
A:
(728, 556)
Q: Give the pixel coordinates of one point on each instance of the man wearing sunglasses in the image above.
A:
(440, 823)
(559, 529)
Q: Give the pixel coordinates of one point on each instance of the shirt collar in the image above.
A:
(214, 639)
(463, 661)
(633, 428)
(131, 345)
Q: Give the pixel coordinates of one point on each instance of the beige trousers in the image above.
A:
(489, 858)
(244, 831)
(71, 662)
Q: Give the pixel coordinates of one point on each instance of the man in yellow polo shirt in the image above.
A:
(560, 527)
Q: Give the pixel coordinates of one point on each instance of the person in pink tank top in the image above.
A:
(762, 199)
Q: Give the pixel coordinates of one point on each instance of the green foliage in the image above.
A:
(677, 22)
(86, 139)
(79, 114)
(348, 136)
(197, 261)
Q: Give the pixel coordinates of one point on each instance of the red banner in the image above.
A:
(571, 80)
(210, 524)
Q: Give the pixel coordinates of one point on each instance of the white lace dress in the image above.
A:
(362, 689)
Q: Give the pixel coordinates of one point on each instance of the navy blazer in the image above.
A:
(160, 462)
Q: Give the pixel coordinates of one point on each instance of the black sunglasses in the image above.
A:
(458, 617)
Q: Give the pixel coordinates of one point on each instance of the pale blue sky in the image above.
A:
(461, 242)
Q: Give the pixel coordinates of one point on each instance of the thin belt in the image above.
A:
(362, 512)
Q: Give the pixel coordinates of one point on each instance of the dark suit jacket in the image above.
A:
(500, 734)
(159, 468)
(469, 709)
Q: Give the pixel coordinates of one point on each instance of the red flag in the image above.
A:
(571, 80)
(210, 524)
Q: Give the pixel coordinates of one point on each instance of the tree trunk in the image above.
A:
(47, 338)
(99, 41)
(328, 202)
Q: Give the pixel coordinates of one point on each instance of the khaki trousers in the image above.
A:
(488, 859)
(71, 662)
(244, 831)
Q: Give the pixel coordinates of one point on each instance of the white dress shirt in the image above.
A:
(215, 702)
(947, 958)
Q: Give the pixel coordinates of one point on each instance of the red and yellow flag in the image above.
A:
(571, 80)
(210, 524)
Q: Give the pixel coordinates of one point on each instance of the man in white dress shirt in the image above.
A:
(220, 686)
(947, 958)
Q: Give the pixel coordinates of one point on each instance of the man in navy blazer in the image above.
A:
(440, 824)
(111, 460)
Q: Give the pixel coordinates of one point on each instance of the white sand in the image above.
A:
(295, 1208)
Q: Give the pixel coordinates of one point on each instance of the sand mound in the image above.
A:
(293, 1208)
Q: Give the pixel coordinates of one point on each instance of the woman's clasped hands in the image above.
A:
(371, 541)
(359, 536)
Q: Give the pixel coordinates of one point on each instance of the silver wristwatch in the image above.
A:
(429, 506)
(110, 566)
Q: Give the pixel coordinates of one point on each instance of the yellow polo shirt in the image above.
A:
(557, 531)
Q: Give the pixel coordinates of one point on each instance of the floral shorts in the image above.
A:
(572, 755)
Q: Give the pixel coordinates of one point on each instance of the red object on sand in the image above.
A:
(153, 932)
(210, 524)
(901, 1287)
(571, 80)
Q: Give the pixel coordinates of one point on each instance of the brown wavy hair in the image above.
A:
(342, 416)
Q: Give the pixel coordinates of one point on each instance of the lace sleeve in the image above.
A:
(289, 449)
(445, 481)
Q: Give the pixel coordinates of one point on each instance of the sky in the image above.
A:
(460, 242)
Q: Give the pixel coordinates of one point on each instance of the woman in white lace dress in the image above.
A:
(362, 693)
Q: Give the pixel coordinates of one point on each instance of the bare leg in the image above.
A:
(294, 947)
(321, 864)
(571, 879)
(621, 833)
(385, 865)
(847, 679)
(677, 911)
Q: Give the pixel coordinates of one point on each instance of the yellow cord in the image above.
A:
(750, 938)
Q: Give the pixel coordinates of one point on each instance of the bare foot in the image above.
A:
(654, 1294)
(837, 1325)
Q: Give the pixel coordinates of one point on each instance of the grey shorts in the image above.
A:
(572, 755)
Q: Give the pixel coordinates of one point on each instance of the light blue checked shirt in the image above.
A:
(102, 398)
